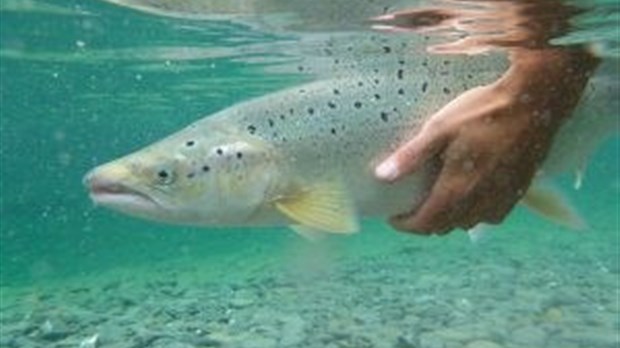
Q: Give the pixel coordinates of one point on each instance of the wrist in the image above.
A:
(548, 67)
(548, 81)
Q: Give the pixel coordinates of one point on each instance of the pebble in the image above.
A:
(529, 336)
(592, 337)
(482, 344)
(53, 332)
(292, 331)
(242, 299)
(90, 342)
(259, 342)
(405, 342)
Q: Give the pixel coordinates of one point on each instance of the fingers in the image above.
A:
(411, 156)
(462, 199)
(445, 205)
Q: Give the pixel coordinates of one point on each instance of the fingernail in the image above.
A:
(381, 27)
(385, 17)
(388, 170)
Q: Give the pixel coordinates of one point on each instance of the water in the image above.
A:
(85, 82)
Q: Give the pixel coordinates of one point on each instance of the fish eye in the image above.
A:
(165, 177)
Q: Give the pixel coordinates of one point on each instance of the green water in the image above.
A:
(85, 82)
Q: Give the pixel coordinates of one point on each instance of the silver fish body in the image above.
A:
(303, 156)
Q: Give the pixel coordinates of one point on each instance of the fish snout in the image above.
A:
(87, 179)
(107, 177)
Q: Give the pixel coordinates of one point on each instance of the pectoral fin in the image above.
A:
(324, 207)
(550, 203)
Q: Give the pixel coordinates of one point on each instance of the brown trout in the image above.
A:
(305, 156)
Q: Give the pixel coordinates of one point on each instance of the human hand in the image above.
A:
(489, 146)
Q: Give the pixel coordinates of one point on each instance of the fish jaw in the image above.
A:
(108, 187)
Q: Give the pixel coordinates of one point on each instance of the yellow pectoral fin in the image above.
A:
(550, 203)
(325, 207)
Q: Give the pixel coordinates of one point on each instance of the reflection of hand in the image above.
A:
(489, 142)
(488, 25)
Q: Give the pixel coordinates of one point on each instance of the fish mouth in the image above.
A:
(117, 195)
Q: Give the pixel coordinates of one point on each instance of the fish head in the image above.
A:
(219, 178)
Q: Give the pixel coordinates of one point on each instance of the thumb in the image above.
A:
(413, 154)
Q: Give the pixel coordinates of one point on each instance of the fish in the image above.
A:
(304, 156)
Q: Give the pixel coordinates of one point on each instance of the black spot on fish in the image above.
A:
(376, 71)
(190, 143)
(400, 74)
(206, 168)
(424, 86)
(446, 90)
(401, 91)
(310, 111)
(387, 49)
(327, 51)
(336, 61)
(190, 175)
(219, 151)
(300, 68)
(357, 104)
(282, 117)
(446, 62)
(401, 62)
(333, 131)
(271, 123)
(331, 104)
(425, 63)
(384, 116)
(252, 129)
(302, 91)
(376, 81)
(336, 92)
(377, 96)
(162, 174)
(239, 155)
(291, 111)
(470, 76)
(360, 83)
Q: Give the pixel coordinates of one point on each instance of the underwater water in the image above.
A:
(85, 82)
